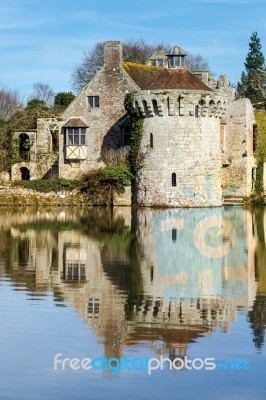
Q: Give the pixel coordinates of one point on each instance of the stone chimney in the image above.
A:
(112, 51)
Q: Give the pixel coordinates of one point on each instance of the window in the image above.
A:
(222, 136)
(155, 107)
(94, 101)
(174, 234)
(197, 111)
(176, 61)
(125, 133)
(173, 179)
(75, 136)
(151, 140)
(75, 271)
(157, 62)
(198, 76)
(255, 131)
(24, 146)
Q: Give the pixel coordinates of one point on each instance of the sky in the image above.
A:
(43, 40)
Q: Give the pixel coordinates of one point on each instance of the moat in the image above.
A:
(136, 283)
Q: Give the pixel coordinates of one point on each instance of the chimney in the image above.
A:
(112, 51)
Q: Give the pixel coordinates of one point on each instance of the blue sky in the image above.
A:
(43, 40)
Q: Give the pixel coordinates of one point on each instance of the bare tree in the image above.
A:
(42, 91)
(196, 62)
(9, 101)
(258, 84)
(133, 50)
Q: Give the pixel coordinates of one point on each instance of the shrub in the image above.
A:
(46, 186)
(102, 184)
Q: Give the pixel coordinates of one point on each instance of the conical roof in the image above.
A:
(176, 51)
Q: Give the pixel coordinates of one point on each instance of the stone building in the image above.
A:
(197, 140)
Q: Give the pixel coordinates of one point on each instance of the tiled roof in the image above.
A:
(148, 77)
(75, 123)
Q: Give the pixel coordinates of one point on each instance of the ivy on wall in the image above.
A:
(136, 132)
(260, 152)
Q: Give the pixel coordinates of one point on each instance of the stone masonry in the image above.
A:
(197, 140)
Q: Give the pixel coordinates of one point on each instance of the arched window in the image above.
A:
(173, 179)
(137, 110)
(168, 106)
(151, 140)
(155, 107)
(211, 108)
(145, 107)
(197, 111)
(174, 234)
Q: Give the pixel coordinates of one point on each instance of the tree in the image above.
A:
(36, 104)
(9, 102)
(42, 91)
(253, 81)
(133, 50)
(196, 62)
(63, 99)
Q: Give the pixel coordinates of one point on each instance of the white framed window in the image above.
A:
(176, 61)
(157, 62)
(75, 136)
(94, 101)
(199, 76)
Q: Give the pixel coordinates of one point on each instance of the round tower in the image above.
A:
(180, 148)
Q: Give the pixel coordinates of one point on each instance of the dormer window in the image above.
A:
(176, 57)
(157, 62)
(176, 61)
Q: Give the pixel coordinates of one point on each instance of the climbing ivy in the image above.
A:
(136, 132)
(260, 153)
(259, 178)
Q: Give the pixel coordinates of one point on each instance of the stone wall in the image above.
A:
(111, 84)
(239, 148)
(42, 154)
(185, 142)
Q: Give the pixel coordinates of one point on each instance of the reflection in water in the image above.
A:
(162, 276)
(257, 316)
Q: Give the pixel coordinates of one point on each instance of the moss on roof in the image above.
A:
(149, 77)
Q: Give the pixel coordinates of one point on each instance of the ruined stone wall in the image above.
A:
(239, 148)
(41, 154)
(186, 142)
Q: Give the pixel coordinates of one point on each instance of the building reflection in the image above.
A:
(166, 277)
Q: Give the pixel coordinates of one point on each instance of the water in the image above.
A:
(94, 283)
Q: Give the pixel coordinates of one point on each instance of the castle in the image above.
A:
(197, 139)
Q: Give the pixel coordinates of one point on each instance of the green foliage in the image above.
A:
(260, 135)
(117, 173)
(63, 99)
(253, 80)
(260, 152)
(259, 178)
(136, 132)
(46, 186)
(102, 184)
(36, 104)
